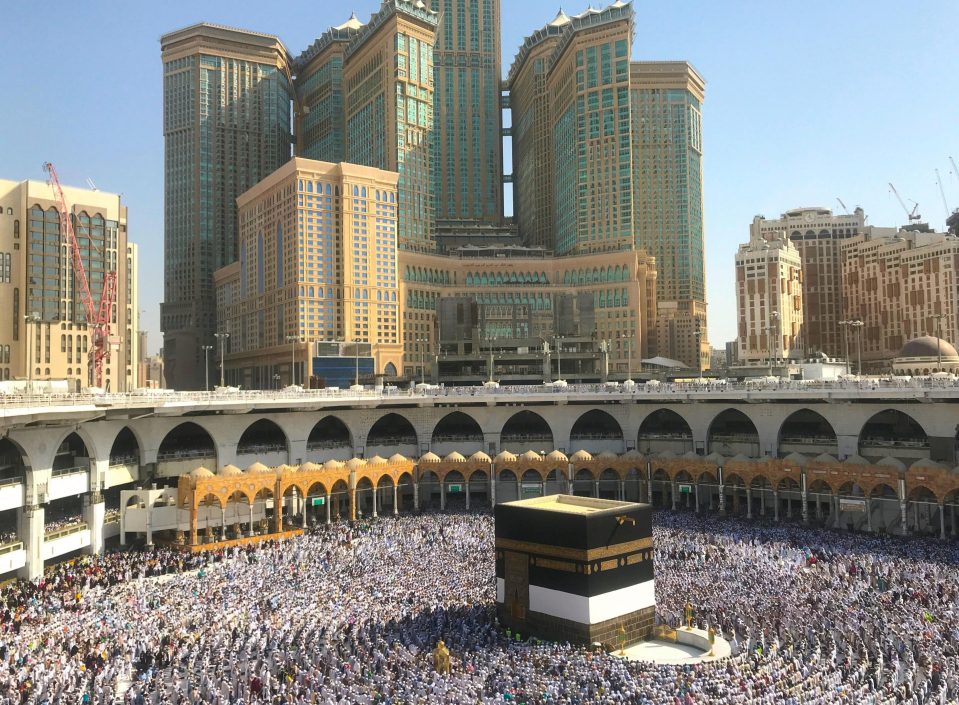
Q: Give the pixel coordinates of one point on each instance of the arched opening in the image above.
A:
(733, 433)
(761, 495)
(329, 439)
(429, 490)
(807, 432)
(660, 489)
(264, 512)
(583, 483)
(184, 448)
(883, 508)
(405, 492)
(609, 484)
(13, 471)
(265, 442)
(734, 487)
(125, 449)
(524, 431)
(665, 431)
(364, 498)
(392, 434)
(893, 433)
(596, 431)
(294, 508)
(633, 486)
(385, 497)
(682, 490)
(819, 496)
(339, 501)
(457, 432)
(479, 489)
(951, 509)
(790, 498)
(71, 456)
(210, 521)
(923, 517)
(389, 370)
(318, 505)
(707, 491)
(851, 509)
(454, 491)
(507, 486)
(531, 484)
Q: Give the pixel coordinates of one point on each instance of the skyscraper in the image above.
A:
(607, 155)
(388, 98)
(468, 159)
(667, 169)
(320, 125)
(587, 158)
(226, 124)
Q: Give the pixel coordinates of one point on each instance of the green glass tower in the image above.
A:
(320, 125)
(468, 164)
(226, 125)
(388, 99)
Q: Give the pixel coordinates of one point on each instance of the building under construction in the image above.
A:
(45, 332)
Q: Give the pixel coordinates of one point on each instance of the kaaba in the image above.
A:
(575, 569)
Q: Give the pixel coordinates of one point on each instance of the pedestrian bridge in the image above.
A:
(871, 455)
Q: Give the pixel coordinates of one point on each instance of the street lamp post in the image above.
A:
(34, 318)
(845, 341)
(857, 324)
(559, 357)
(773, 326)
(422, 361)
(206, 366)
(276, 381)
(292, 340)
(222, 337)
(939, 317)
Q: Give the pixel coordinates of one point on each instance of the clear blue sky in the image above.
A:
(805, 101)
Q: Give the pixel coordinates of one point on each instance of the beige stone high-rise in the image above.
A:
(317, 263)
(37, 281)
(769, 294)
(818, 234)
(901, 286)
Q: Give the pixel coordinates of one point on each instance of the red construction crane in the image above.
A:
(98, 317)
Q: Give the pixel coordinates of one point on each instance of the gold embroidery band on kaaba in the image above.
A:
(574, 554)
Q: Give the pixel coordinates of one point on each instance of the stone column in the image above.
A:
(672, 493)
(222, 521)
(776, 505)
(596, 488)
(352, 504)
(519, 488)
(149, 504)
(250, 533)
(942, 521)
(915, 515)
(749, 502)
(396, 499)
(278, 513)
(467, 494)
(804, 496)
(492, 487)
(416, 496)
(722, 499)
(869, 514)
(622, 490)
(762, 503)
(194, 523)
(32, 520)
(443, 494)
(329, 501)
(374, 503)
(696, 490)
(94, 512)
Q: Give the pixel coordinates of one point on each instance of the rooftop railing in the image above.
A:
(684, 390)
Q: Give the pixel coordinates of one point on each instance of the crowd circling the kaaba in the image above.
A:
(350, 613)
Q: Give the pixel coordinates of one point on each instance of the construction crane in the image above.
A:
(955, 170)
(98, 317)
(845, 209)
(942, 193)
(914, 215)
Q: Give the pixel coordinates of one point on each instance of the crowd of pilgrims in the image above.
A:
(350, 613)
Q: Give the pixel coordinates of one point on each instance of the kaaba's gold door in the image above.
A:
(517, 584)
